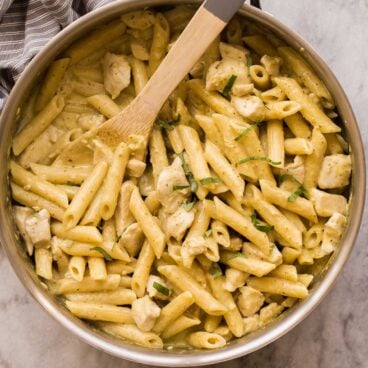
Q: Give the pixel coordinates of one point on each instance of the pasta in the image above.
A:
(205, 230)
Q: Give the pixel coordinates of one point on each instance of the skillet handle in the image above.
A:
(256, 3)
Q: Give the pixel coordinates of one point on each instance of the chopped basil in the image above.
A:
(208, 233)
(193, 184)
(180, 186)
(210, 180)
(161, 288)
(229, 84)
(284, 177)
(249, 60)
(236, 255)
(245, 131)
(301, 190)
(216, 271)
(258, 226)
(103, 252)
(169, 125)
(259, 158)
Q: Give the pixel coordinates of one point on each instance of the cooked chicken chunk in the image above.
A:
(249, 301)
(37, 227)
(271, 64)
(332, 232)
(251, 107)
(20, 215)
(145, 312)
(335, 171)
(235, 52)
(116, 70)
(172, 175)
(234, 279)
(327, 204)
(178, 223)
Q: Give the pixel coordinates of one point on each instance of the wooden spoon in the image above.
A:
(139, 116)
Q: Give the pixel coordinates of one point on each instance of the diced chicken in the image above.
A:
(251, 107)
(251, 324)
(37, 227)
(335, 171)
(270, 312)
(145, 312)
(195, 245)
(132, 239)
(295, 169)
(174, 174)
(220, 72)
(327, 204)
(234, 279)
(178, 223)
(249, 301)
(332, 232)
(116, 70)
(271, 64)
(137, 146)
(235, 52)
(20, 215)
(154, 292)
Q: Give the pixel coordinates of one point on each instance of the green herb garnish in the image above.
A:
(259, 158)
(216, 271)
(180, 186)
(169, 125)
(284, 177)
(210, 180)
(193, 184)
(103, 252)
(161, 288)
(245, 131)
(229, 84)
(301, 190)
(236, 255)
(260, 227)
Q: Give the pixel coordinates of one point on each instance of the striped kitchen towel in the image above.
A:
(26, 26)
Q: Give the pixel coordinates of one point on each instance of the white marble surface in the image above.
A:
(333, 336)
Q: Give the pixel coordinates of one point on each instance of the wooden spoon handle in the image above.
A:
(205, 26)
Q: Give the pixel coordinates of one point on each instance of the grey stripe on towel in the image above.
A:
(26, 26)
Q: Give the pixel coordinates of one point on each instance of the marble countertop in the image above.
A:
(333, 336)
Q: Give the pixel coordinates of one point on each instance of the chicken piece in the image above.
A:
(116, 70)
(172, 175)
(249, 301)
(145, 312)
(295, 169)
(327, 204)
(234, 279)
(132, 239)
(235, 52)
(37, 227)
(178, 223)
(251, 324)
(20, 215)
(152, 291)
(195, 245)
(335, 171)
(220, 72)
(251, 107)
(242, 89)
(332, 232)
(236, 244)
(271, 64)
